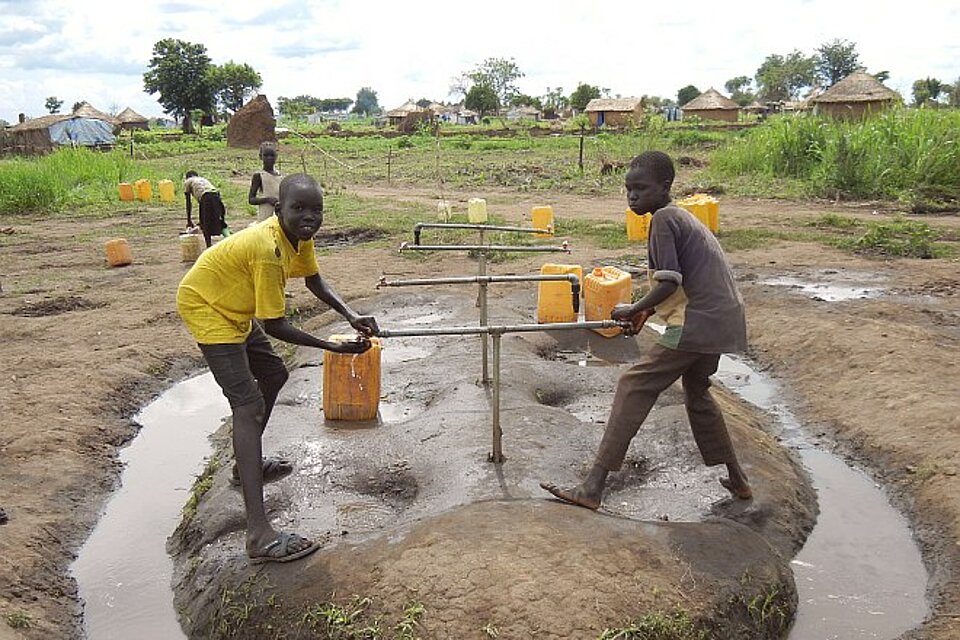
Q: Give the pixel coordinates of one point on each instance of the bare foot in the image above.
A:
(742, 491)
(573, 496)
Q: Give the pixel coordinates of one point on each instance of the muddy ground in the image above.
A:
(85, 346)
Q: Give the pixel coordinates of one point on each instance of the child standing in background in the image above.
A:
(265, 184)
(212, 212)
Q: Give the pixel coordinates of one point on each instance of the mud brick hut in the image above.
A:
(85, 127)
(396, 116)
(130, 120)
(857, 96)
(252, 124)
(712, 105)
(614, 112)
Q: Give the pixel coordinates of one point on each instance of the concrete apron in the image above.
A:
(416, 514)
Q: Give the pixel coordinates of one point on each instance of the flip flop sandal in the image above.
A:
(279, 549)
(273, 469)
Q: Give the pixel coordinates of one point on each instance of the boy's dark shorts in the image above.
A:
(212, 214)
(237, 367)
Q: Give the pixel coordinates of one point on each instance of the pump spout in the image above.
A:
(416, 232)
(574, 291)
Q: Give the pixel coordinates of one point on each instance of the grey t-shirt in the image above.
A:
(705, 314)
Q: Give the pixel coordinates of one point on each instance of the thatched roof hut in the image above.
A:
(614, 112)
(86, 110)
(856, 96)
(85, 127)
(396, 116)
(130, 119)
(712, 105)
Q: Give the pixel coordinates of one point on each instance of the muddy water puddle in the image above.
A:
(123, 571)
(860, 573)
(825, 290)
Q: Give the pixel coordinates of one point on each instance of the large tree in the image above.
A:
(482, 99)
(582, 95)
(366, 102)
(782, 77)
(835, 60)
(954, 99)
(497, 74)
(554, 101)
(739, 90)
(180, 73)
(687, 94)
(53, 104)
(927, 91)
(232, 84)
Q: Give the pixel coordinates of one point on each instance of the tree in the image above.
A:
(482, 99)
(927, 91)
(739, 90)
(954, 98)
(180, 73)
(582, 95)
(423, 103)
(687, 94)
(366, 102)
(781, 78)
(835, 60)
(882, 76)
(53, 105)
(76, 105)
(299, 106)
(498, 74)
(523, 100)
(232, 84)
(554, 101)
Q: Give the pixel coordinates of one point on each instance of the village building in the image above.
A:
(857, 96)
(85, 127)
(614, 112)
(712, 105)
(130, 119)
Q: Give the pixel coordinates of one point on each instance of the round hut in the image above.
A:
(712, 105)
(856, 96)
(130, 120)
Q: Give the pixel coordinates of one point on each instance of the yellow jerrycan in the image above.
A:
(555, 297)
(118, 252)
(603, 289)
(351, 382)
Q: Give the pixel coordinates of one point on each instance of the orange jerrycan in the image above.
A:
(638, 226)
(126, 191)
(604, 289)
(351, 382)
(118, 252)
(555, 297)
(542, 219)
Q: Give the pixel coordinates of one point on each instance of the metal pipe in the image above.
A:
(496, 455)
(480, 227)
(482, 303)
(540, 277)
(484, 249)
(501, 329)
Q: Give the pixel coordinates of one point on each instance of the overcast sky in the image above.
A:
(98, 51)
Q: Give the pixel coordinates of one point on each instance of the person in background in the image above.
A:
(212, 212)
(693, 291)
(265, 184)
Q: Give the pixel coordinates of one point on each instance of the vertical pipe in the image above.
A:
(482, 302)
(496, 455)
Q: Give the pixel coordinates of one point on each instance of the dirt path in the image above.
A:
(85, 346)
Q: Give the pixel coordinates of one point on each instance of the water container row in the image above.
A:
(541, 216)
(603, 289)
(142, 190)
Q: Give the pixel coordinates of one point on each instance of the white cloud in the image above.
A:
(98, 50)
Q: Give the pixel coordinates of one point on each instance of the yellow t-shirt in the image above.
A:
(240, 278)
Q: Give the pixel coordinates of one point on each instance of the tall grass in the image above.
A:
(902, 154)
(66, 178)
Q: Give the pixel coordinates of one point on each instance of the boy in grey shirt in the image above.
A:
(693, 291)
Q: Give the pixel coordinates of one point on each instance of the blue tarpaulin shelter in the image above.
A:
(85, 132)
(86, 127)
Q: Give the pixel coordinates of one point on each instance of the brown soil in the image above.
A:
(252, 124)
(879, 377)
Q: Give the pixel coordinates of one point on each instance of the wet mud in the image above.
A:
(416, 514)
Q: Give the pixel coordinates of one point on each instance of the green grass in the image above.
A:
(834, 221)
(658, 626)
(18, 620)
(898, 238)
(907, 155)
(200, 487)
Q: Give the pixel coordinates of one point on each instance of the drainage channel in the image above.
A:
(860, 573)
(123, 571)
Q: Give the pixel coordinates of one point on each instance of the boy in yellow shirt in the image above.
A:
(229, 300)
